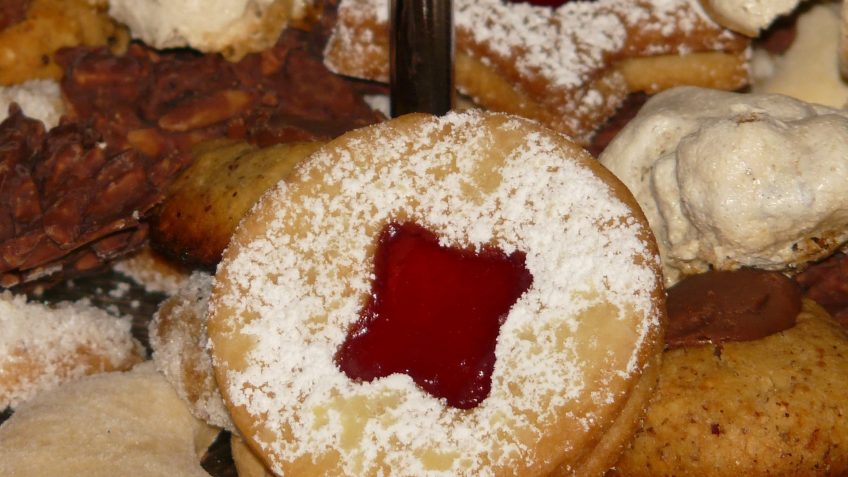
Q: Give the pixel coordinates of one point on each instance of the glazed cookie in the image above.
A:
(768, 401)
(464, 295)
(731, 180)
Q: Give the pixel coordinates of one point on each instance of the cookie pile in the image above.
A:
(465, 295)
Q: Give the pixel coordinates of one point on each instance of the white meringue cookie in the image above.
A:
(730, 180)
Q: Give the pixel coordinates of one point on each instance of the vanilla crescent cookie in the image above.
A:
(121, 423)
(300, 273)
(730, 180)
(568, 67)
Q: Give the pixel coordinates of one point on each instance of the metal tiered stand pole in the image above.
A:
(421, 53)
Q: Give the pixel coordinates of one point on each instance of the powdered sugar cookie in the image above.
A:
(465, 295)
(178, 338)
(568, 67)
(42, 347)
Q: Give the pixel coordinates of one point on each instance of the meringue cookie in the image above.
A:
(748, 17)
(730, 180)
(232, 27)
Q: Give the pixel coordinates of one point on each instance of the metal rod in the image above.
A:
(421, 52)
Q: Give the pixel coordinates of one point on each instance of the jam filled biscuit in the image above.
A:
(753, 384)
(568, 67)
(464, 295)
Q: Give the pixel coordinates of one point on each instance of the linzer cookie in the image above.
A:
(426, 296)
(568, 67)
(754, 384)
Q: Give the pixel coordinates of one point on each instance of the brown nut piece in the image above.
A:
(74, 206)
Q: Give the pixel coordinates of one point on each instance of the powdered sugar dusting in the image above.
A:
(42, 346)
(307, 276)
(179, 341)
(553, 55)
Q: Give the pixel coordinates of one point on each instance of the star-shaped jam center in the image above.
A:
(434, 314)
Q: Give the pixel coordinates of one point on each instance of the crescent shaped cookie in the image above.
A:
(111, 424)
(42, 347)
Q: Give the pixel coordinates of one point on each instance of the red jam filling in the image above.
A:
(434, 314)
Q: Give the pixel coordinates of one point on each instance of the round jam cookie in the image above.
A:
(403, 255)
(771, 405)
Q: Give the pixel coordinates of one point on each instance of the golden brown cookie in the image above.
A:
(770, 407)
(293, 299)
(45, 26)
(206, 201)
